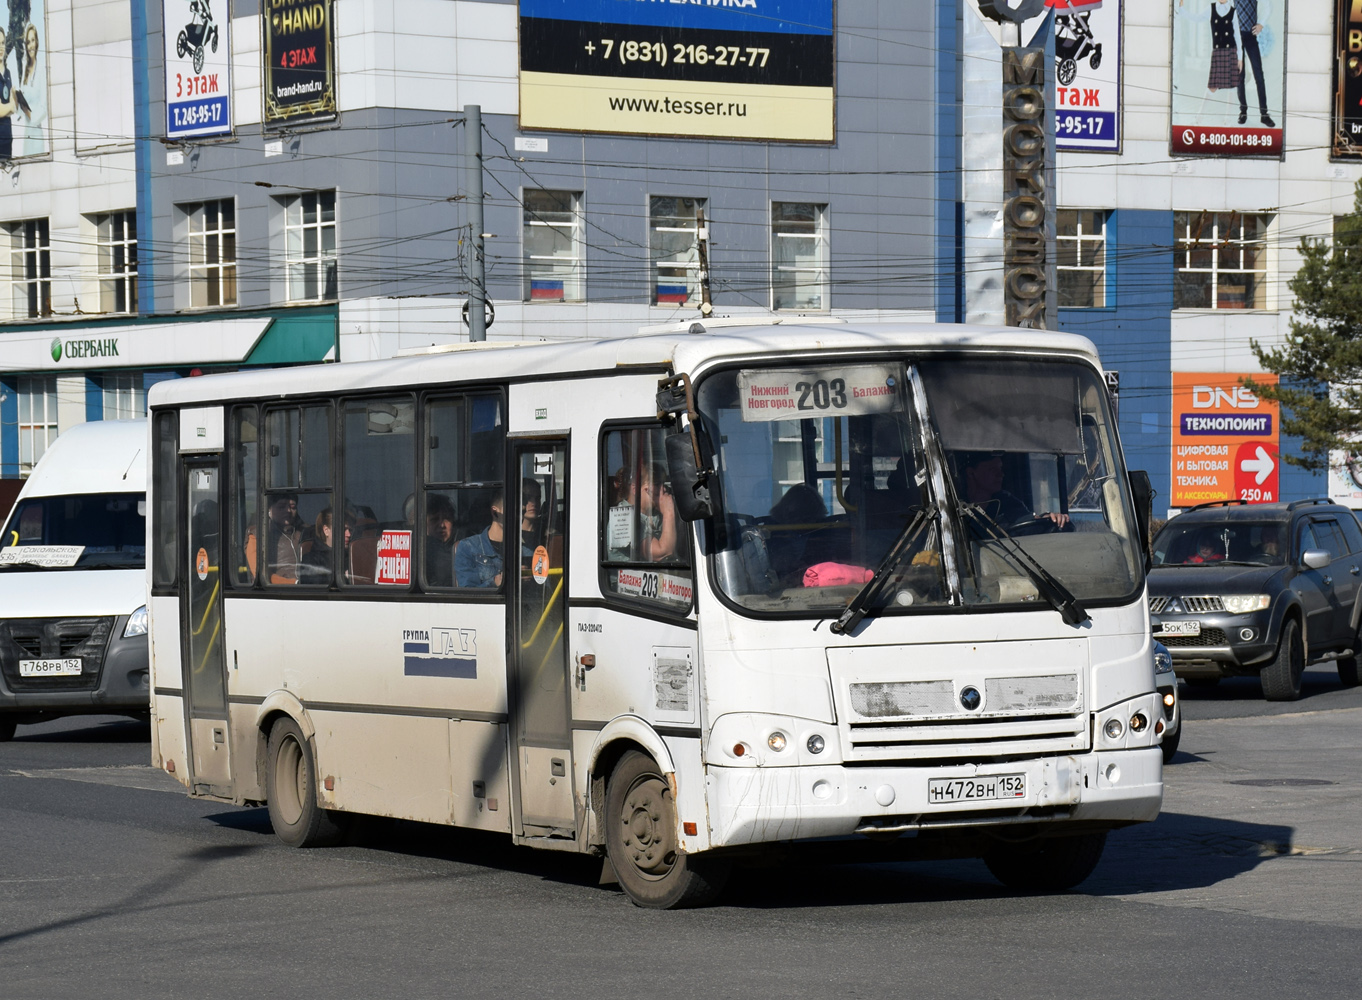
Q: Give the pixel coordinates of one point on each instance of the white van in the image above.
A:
(73, 593)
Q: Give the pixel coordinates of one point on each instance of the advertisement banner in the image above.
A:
(198, 63)
(1347, 80)
(23, 79)
(738, 69)
(299, 62)
(1345, 478)
(1088, 76)
(1229, 79)
(1225, 440)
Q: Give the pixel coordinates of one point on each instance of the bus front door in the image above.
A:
(535, 561)
(205, 681)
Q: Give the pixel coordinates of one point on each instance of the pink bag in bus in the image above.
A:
(831, 574)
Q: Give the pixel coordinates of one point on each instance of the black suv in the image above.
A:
(1240, 589)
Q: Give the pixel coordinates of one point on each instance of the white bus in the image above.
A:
(772, 584)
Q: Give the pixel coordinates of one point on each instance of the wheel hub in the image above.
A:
(649, 836)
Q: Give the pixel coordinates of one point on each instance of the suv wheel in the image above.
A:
(1282, 677)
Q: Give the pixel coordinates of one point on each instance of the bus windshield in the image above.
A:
(92, 531)
(823, 471)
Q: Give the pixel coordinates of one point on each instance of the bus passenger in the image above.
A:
(316, 565)
(284, 546)
(650, 493)
(477, 560)
(530, 535)
(439, 541)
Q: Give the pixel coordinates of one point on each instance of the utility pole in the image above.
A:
(702, 237)
(477, 276)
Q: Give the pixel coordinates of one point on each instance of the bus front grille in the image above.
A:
(944, 739)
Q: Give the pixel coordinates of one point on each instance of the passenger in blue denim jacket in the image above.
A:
(477, 559)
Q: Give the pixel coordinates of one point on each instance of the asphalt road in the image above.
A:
(114, 884)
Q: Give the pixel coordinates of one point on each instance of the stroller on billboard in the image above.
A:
(1074, 39)
(200, 31)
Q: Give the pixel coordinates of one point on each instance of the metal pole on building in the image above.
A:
(702, 234)
(477, 276)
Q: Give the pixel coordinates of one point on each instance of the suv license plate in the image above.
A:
(992, 786)
(1179, 628)
(69, 667)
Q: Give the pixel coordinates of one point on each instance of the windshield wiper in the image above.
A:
(1059, 596)
(857, 607)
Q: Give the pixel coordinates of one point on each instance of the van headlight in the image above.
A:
(1239, 604)
(137, 623)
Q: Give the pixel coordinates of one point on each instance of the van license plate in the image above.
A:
(69, 667)
(992, 786)
(1179, 628)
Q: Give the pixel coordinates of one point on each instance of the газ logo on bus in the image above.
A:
(440, 652)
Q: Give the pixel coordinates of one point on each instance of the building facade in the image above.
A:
(214, 185)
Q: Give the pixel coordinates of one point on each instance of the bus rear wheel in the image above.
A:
(640, 839)
(291, 789)
(1049, 865)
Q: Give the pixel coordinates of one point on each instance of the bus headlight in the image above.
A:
(137, 623)
(816, 743)
(1113, 729)
(776, 741)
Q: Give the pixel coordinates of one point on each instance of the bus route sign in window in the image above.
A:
(786, 394)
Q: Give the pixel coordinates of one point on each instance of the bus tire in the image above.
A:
(1281, 678)
(291, 791)
(640, 839)
(1049, 865)
(7, 727)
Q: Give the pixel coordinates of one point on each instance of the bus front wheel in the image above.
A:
(1049, 865)
(640, 839)
(291, 788)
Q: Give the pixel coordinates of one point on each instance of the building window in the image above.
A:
(553, 246)
(799, 256)
(674, 249)
(116, 248)
(124, 397)
(30, 263)
(37, 418)
(1221, 260)
(1081, 258)
(310, 246)
(212, 253)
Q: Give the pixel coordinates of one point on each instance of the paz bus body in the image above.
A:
(670, 599)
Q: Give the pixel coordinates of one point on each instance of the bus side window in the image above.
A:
(379, 442)
(298, 497)
(166, 491)
(465, 442)
(645, 545)
(245, 486)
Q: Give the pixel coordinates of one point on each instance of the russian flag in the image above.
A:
(672, 293)
(545, 289)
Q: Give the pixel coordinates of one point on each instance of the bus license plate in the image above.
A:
(1179, 628)
(992, 786)
(68, 667)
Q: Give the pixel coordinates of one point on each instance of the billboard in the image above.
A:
(298, 50)
(1229, 78)
(1347, 80)
(1088, 76)
(736, 69)
(23, 79)
(198, 69)
(1225, 440)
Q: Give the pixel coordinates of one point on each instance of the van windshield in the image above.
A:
(108, 529)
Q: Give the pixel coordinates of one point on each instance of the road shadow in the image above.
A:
(82, 729)
(1316, 681)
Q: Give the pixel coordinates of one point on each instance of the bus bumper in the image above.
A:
(771, 804)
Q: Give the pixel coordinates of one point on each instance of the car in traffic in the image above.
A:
(1262, 589)
(73, 592)
(1166, 683)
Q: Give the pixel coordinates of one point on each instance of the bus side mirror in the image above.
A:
(690, 485)
(1142, 492)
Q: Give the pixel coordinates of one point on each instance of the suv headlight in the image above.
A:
(1238, 604)
(137, 623)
